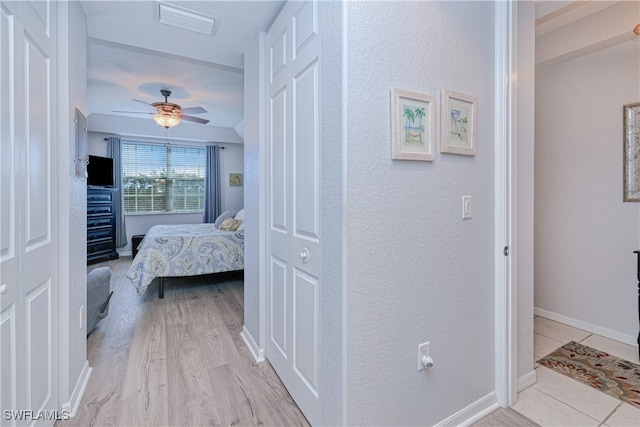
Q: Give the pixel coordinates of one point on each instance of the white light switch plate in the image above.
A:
(466, 207)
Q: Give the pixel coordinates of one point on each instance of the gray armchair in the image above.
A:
(98, 296)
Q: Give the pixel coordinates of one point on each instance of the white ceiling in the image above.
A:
(551, 15)
(544, 8)
(132, 56)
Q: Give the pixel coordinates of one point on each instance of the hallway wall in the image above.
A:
(585, 271)
(416, 271)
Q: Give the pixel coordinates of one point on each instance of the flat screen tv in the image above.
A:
(100, 171)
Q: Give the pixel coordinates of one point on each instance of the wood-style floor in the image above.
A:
(178, 361)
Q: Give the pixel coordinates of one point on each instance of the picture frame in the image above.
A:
(412, 126)
(458, 123)
(235, 180)
(631, 126)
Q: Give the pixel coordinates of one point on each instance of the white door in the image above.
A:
(293, 197)
(28, 213)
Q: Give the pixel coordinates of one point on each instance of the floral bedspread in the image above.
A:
(185, 250)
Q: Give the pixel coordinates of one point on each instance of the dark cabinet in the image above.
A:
(101, 224)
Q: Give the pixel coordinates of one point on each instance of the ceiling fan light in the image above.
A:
(166, 120)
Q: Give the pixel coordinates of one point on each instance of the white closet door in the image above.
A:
(28, 216)
(294, 176)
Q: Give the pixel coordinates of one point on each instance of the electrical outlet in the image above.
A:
(423, 355)
(83, 322)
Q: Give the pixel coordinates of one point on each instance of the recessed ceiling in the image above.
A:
(544, 8)
(551, 15)
(131, 55)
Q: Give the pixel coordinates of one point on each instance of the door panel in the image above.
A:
(278, 302)
(293, 193)
(305, 26)
(39, 346)
(278, 162)
(8, 362)
(305, 332)
(7, 141)
(278, 56)
(28, 217)
(37, 137)
(306, 149)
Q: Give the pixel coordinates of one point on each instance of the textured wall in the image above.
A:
(584, 265)
(231, 161)
(254, 206)
(525, 186)
(72, 198)
(416, 271)
(333, 217)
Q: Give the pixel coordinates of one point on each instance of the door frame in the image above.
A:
(506, 307)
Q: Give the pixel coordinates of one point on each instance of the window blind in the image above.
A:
(159, 178)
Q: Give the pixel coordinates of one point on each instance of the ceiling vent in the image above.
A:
(186, 19)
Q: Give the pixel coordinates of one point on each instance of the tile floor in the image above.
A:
(557, 400)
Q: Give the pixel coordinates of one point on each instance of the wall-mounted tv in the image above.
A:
(100, 171)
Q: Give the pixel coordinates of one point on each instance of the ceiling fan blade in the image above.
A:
(194, 110)
(131, 112)
(146, 104)
(195, 119)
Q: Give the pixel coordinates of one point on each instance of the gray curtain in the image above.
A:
(114, 150)
(212, 199)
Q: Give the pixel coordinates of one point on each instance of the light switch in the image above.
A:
(466, 207)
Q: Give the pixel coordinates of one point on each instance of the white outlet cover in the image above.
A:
(423, 350)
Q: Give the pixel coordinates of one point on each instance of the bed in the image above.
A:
(185, 250)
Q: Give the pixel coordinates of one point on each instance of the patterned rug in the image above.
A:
(616, 377)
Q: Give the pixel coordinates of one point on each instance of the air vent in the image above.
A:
(186, 19)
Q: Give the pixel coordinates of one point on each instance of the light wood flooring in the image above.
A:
(178, 361)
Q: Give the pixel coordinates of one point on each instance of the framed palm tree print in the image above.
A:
(412, 126)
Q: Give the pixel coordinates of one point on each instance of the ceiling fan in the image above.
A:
(168, 114)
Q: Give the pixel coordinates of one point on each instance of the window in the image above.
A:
(159, 178)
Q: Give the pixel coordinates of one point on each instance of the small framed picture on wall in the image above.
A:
(235, 179)
(458, 123)
(412, 126)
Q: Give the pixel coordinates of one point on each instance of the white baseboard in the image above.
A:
(256, 352)
(589, 327)
(71, 407)
(527, 380)
(472, 413)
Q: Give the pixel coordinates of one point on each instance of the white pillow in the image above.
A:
(240, 215)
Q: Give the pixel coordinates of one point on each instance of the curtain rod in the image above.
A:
(166, 143)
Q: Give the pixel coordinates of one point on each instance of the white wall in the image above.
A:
(524, 244)
(72, 199)
(253, 130)
(585, 271)
(146, 128)
(416, 271)
(333, 303)
(231, 161)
